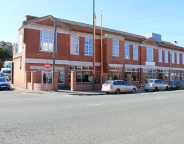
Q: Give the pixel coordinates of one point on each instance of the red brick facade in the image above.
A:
(32, 58)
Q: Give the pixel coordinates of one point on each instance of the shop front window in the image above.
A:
(84, 74)
(151, 72)
(162, 73)
(61, 78)
(134, 73)
(115, 73)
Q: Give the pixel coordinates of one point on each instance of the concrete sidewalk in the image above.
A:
(90, 92)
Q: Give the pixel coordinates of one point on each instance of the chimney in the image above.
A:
(28, 17)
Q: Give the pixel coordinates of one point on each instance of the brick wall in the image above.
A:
(88, 86)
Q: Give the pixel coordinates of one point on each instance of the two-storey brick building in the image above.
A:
(123, 53)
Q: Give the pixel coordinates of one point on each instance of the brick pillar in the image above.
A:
(33, 79)
(163, 77)
(27, 78)
(73, 86)
(66, 75)
(129, 78)
(175, 77)
(105, 77)
(56, 74)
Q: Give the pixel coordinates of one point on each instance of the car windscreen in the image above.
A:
(2, 80)
(108, 82)
(149, 81)
(6, 71)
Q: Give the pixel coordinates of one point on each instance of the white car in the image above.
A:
(118, 86)
(155, 85)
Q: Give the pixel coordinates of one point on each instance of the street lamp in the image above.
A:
(93, 44)
(170, 66)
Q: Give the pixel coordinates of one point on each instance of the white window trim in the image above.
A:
(77, 37)
(53, 42)
(159, 55)
(183, 58)
(127, 48)
(88, 46)
(177, 58)
(152, 56)
(115, 47)
(134, 52)
(172, 57)
(166, 54)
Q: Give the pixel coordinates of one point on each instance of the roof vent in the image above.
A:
(156, 37)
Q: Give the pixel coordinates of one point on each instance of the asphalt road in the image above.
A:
(143, 118)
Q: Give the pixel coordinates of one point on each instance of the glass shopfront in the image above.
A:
(134, 72)
(115, 73)
(151, 72)
(84, 74)
(162, 73)
(182, 76)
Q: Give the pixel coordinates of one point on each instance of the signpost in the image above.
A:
(47, 66)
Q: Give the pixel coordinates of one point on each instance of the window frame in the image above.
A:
(148, 54)
(135, 52)
(42, 39)
(166, 53)
(115, 47)
(177, 58)
(127, 51)
(77, 43)
(173, 57)
(159, 55)
(88, 46)
(183, 58)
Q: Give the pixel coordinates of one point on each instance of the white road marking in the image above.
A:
(160, 97)
(95, 104)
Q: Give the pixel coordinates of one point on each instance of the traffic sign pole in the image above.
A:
(47, 66)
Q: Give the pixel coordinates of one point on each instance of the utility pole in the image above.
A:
(170, 66)
(101, 44)
(53, 57)
(93, 43)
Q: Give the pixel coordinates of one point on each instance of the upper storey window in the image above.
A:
(88, 46)
(149, 54)
(115, 48)
(127, 51)
(135, 52)
(166, 56)
(178, 58)
(46, 41)
(172, 57)
(159, 55)
(74, 45)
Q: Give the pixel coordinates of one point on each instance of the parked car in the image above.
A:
(176, 84)
(6, 72)
(118, 86)
(4, 84)
(1, 74)
(155, 85)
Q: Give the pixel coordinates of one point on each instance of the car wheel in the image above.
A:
(107, 92)
(177, 88)
(117, 91)
(166, 89)
(156, 89)
(145, 90)
(133, 90)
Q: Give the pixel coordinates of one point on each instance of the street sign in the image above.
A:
(47, 65)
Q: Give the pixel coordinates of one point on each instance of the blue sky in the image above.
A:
(138, 17)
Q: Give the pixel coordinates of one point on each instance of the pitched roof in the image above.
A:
(63, 23)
